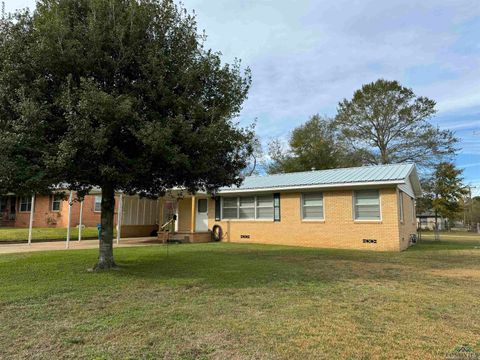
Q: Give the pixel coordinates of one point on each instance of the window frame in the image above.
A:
(28, 203)
(249, 207)
(54, 201)
(230, 207)
(272, 206)
(95, 203)
(206, 206)
(354, 212)
(255, 208)
(302, 205)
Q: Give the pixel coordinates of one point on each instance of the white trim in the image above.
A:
(379, 207)
(69, 221)
(198, 212)
(319, 186)
(255, 206)
(20, 204)
(176, 214)
(59, 205)
(322, 219)
(119, 216)
(80, 220)
(95, 202)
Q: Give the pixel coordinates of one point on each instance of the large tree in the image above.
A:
(388, 123)
(117, 94)
(313, 145)
(443, 192)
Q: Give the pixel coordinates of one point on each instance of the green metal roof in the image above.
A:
(355, 176)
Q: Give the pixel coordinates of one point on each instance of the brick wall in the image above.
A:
(338, 230)
(43, 215)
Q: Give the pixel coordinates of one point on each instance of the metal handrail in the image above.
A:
(167, 223)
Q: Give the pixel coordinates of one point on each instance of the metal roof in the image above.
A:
(355, 176)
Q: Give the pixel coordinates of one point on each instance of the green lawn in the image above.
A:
(452, 235)
(43, 234)
(226, 301)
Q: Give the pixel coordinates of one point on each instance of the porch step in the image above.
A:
(185, 236)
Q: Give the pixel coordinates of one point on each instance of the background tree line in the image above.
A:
(383, 123)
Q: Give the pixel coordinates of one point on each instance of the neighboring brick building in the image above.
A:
(140, 215)
(371, 207)
(49, 211)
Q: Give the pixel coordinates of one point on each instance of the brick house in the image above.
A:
(140, 216)
(49, 211)
(370, 207)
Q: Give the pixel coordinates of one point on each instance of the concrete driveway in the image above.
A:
(73, 245)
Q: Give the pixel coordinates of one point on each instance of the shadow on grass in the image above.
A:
(238, 266)
(221, 266)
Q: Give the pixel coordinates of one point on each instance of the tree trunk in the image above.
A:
(105, 256)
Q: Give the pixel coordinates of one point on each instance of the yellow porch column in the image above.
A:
(192, 224)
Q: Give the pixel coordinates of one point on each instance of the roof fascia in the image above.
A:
(317, 186)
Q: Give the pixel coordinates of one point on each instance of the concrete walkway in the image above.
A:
(74, 245)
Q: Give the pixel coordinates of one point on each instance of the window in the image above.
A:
(248, 207)
(97, 207)
(265, 207)
(25, 203)
(230, 210)
(56, 202)
(366, 205)
(312, 206)
(400, 205)
(202, 206)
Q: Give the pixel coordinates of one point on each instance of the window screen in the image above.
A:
(367, 205)
(98, 204)
(202, 206)
(56, 201)
(312, 206)
(229, 209)
(25, 203)
(265, 207)
(247, 207)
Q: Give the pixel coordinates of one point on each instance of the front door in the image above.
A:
(201, 219)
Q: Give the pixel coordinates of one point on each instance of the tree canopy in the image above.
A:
(313, 145)
(443, 191)
(119, 94)
(388, 123)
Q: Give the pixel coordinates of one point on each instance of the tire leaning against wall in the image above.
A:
(217, 233)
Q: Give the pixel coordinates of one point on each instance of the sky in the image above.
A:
(306, 56)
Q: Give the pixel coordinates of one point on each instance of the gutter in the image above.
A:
(317, 186)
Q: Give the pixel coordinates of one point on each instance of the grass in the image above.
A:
(452, 235)
(234, 301)
(43, 234)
